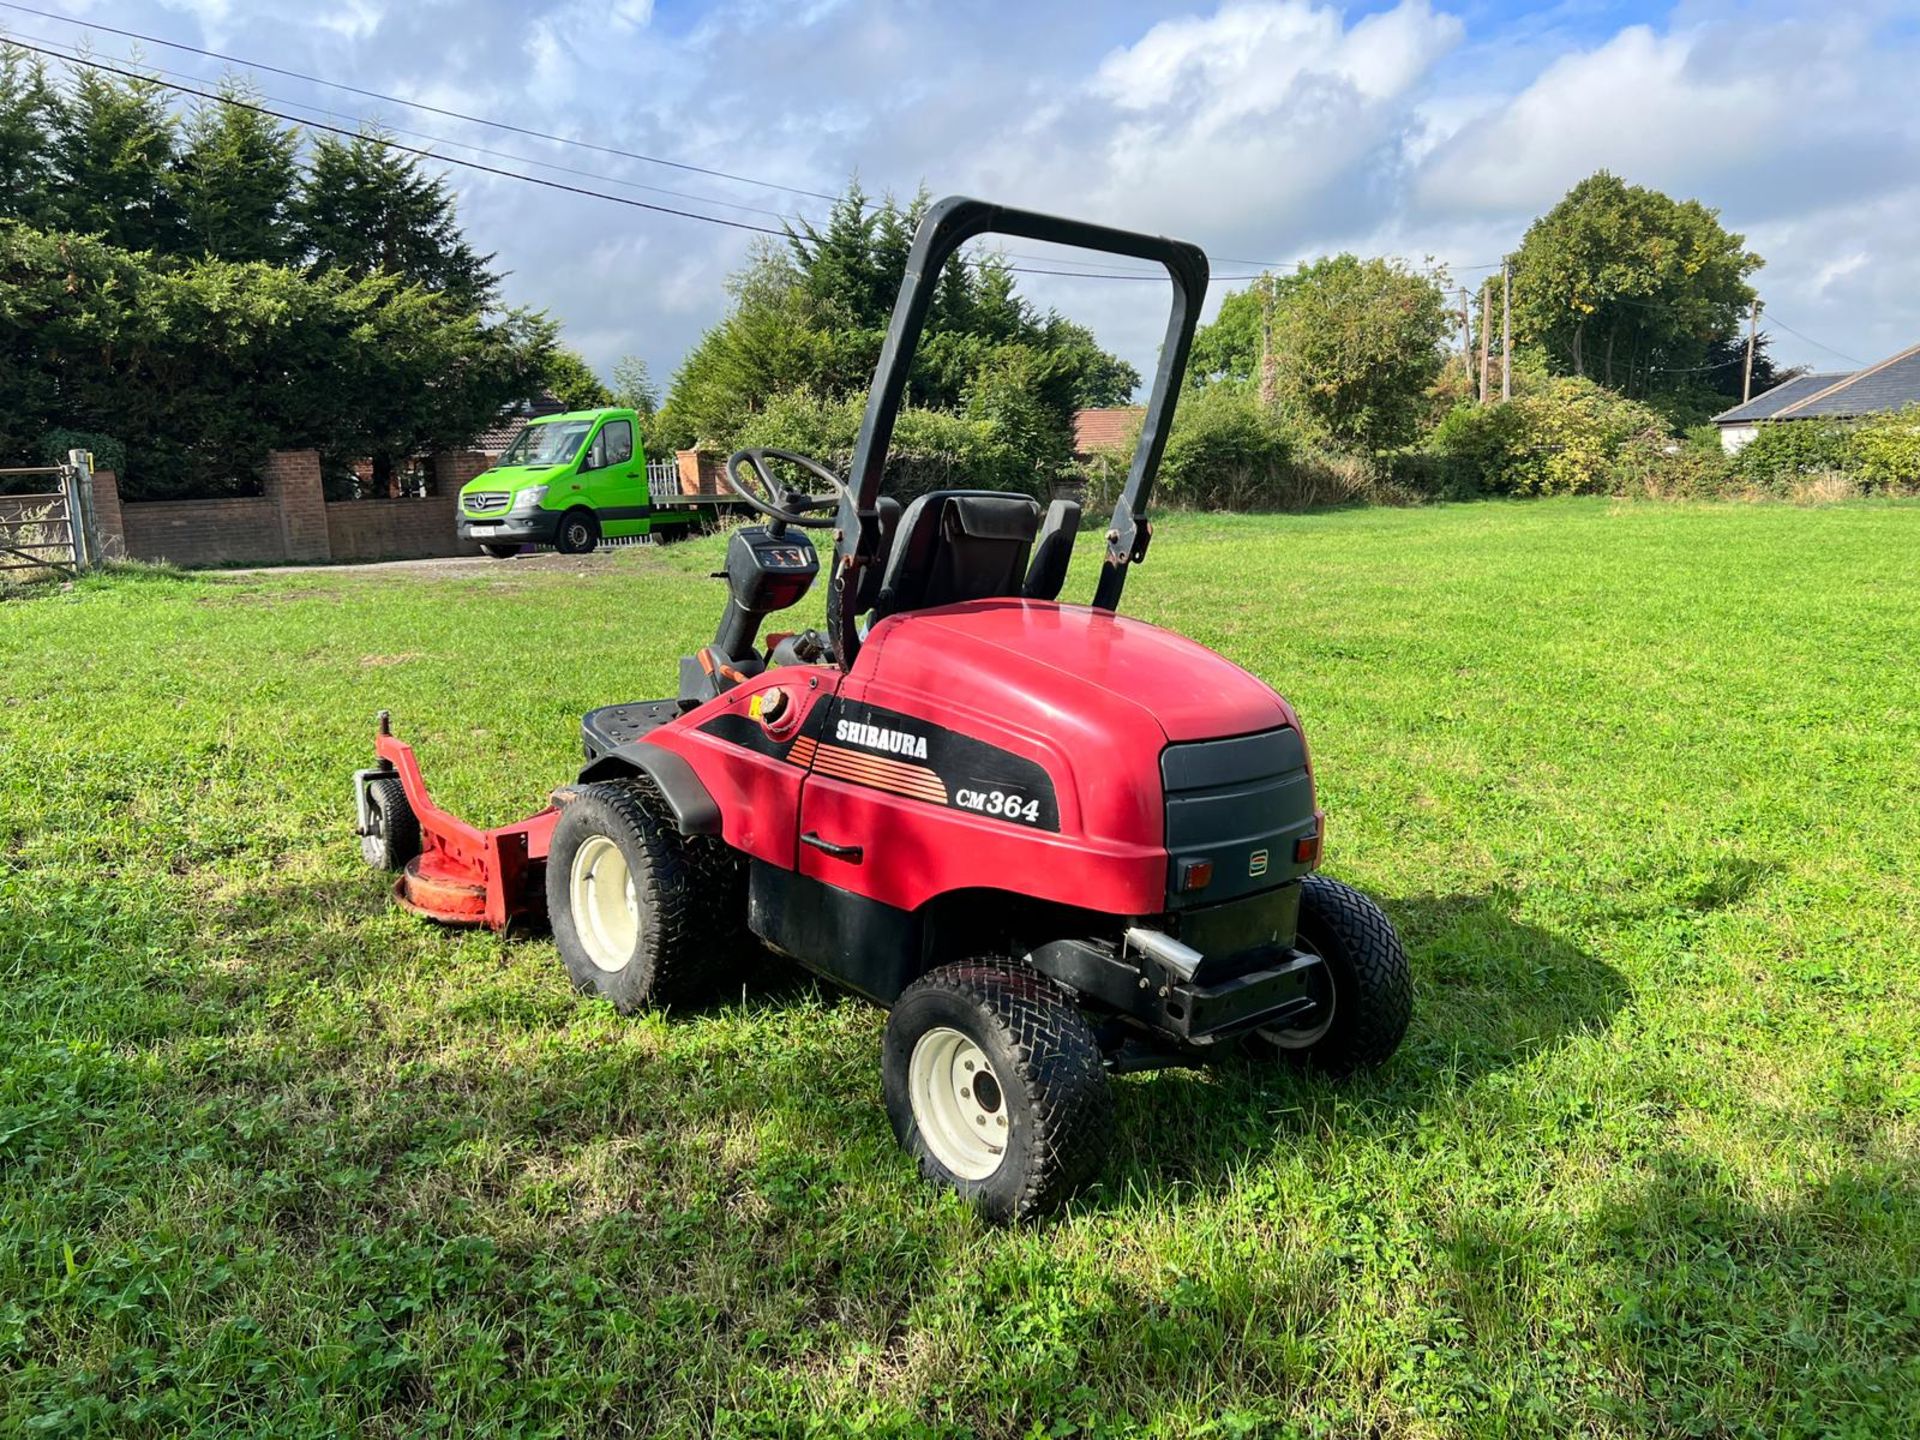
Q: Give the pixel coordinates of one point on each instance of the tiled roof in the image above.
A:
(1769, 403)
(1893, 384)
(497, 436)
(1096, 430)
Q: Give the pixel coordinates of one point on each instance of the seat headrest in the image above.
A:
(955, 545)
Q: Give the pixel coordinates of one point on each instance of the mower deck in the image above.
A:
(464, 875)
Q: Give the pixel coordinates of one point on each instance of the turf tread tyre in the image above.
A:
(1373, 983)
(396, 829)
(1059, 1100)
(690, 891)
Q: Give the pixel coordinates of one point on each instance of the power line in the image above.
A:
(415, 104)
(1813, 342)
(425, 154)
(74, 55)
(1260, 265)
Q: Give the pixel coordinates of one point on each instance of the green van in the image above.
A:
(568, 481)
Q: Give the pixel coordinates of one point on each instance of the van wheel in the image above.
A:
(578, 534)
(500, 552)
(995, 1084)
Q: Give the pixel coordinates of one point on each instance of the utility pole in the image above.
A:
(1753, 328)
(1269, 363)
(1506, 330)
(1486, 331)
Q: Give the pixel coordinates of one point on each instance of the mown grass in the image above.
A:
(1640, 784)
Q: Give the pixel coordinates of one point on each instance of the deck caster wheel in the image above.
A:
(642, 914)
(393, 834)
(1364, 985)
(994, 1083)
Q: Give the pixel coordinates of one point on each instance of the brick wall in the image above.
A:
(395, 529)
(702, 472)
(453, 470)
(291, 480)
(292, 522)
(107, 518)
(205, 532)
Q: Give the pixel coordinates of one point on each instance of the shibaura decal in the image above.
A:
(881, 749)
(879, 737)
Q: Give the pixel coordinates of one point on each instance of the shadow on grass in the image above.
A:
(1490, 992)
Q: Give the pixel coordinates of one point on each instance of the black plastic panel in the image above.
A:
(1241, 803)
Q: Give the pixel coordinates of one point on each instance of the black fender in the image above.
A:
(694, 809)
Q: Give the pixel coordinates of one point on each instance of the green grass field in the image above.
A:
(1639, 783)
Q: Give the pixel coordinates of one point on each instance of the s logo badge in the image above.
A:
(1257, 863)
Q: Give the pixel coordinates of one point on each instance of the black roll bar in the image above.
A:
(947, 226)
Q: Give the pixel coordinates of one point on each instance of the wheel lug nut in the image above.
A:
(965, 1094)
(966, 1064)
(1002, 1122)
(979, 1119)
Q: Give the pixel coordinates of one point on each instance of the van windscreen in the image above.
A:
(551, 444)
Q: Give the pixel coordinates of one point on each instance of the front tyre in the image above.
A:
(578, 534)
(1364, 984)
(995, 1085)
(641, 914)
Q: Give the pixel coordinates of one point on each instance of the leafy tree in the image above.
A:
(370, 209)
(113, 160)
(238, 177)
(573, 382)
(1629, 286)
(1357, 344)
(633, 386)
(812, 314)
(1230, 347)
(202, 366)
(27, 117)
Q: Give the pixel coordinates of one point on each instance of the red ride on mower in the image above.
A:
(1056, 843)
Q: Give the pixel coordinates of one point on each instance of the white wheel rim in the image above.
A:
(1300, 1037)
(605, 906)
(963, 1122)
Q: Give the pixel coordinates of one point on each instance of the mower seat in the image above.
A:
(955, 545)
(1052, 551)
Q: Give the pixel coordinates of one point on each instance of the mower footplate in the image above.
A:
(1276, 991)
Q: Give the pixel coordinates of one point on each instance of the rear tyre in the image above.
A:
(579, 532)
(642, 914)
(393, 837)
(994, 1084)
(500, 552)
(1365, 986)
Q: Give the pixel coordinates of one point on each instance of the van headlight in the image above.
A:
(529, 499)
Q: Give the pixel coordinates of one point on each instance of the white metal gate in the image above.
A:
(51, 528)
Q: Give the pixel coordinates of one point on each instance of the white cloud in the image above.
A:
(1265, 129)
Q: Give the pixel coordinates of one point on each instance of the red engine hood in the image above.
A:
(1023, 655)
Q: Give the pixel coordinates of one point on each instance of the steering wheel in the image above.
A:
(780, 503)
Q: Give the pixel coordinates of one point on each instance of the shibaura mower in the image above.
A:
(1055, 843)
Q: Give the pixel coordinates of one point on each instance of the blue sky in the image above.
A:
(1266, 130)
